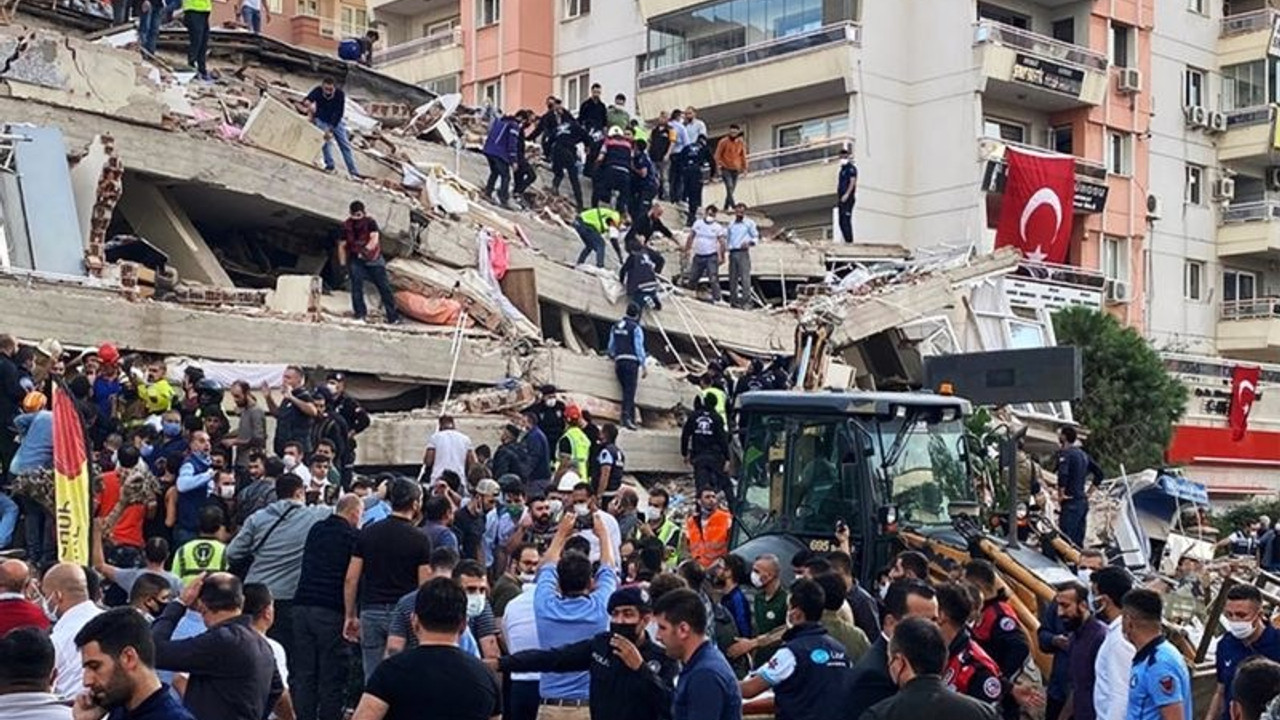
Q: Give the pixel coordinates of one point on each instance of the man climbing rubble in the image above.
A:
(626, 348)
(502, 150)
(592, 225)
(640, 273)
(360, 249)
(325, 107)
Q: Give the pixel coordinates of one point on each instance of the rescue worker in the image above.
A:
(207, 552)
(811, 674)
(592, 226)
(1159, 684)
(644, 178)
(549, 413)
(610, 464)
(574, 448)
(997, 631)
(970, 670)
(614, 174)
(632, 678)
(525, 175)
(707, 530)
(566, 137)
(658, 525)
(705, 445)
(712, 383)
(626, 349)
(639, 274)
(917, 658)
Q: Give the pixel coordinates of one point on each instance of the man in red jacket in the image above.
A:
(15, 609)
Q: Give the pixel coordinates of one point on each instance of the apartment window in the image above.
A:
(1239, 285)
(1194, 194)
(1004, 130)
(355, 21)
(1193, 280)
(488, 12)
(442, 85)
(1003, 16)
(1064, 30)
(1119, 153)
(1193, 87)
(1197, 6)
(276, 7)
(491, 94)
(812, 131)
(576, 89)
(442, 27)
(1245, 85)
(1062, 140)
(1115, 258)
(576, 8)
(1122, 45)
(309, 7)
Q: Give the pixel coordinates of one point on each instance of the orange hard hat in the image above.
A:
(108, 354)
(572, 412)
(34, 401)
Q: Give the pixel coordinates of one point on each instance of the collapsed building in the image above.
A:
(171, 217)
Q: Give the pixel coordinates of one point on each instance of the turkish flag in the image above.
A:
(1037, 212)
(1244, 388)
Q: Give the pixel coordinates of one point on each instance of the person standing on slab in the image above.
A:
(361, 248)
(742, 235)
(325, 107)
(195, 16)
(846, 190)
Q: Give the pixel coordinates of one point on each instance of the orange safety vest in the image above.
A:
(709, 540)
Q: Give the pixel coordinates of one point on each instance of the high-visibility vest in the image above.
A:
(721, 401)
(709, 540)
(197, 556)
(580, 446)
(669, 535)
(198, 5)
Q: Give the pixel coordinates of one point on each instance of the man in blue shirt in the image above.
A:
(626, 348)
(1074, 470)
(569, 610)
(846, 190)
(1248, 635)
(1159, 684)
(707, 689)
(743, 234)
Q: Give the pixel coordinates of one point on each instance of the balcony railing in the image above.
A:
(418, 46)
(1056, 274)
(789, 157)
(1091, 169)
(990, 31)
(1251, 212)
(1246, 116)
(1245, 23)
(1251, 309)
(747, 55)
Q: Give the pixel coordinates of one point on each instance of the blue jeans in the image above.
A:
(375, 621)
(339, 133)
(42, 546)
(1073, 519)
(149, 27)
(8, 519)
(593, 241)
(375, 272)
(253, 18)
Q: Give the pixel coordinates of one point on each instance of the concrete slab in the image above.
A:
(48, 201)
(295, 295)
(278, 128)
(85, 176)
(157, 217)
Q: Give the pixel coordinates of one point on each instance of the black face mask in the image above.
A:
(630, 631)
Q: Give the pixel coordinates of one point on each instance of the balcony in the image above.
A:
(1037, 71)
(790, 70)
(1250, 329)
(1053, 287)
(412, 7)
(1250, 229)
(792, 177)
(1091, 177)
(1245, 37)
(422, 59)
(1250, 135)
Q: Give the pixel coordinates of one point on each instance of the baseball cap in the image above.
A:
(568, 482)
(511, 482)
(636, 597)
(488, 486)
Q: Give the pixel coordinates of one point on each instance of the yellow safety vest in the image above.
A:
(198, 5)
(721, 401)
(197, 556)
(581, 448)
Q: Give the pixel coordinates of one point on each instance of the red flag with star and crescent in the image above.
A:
(1037, 212)
(70, 480)
(1244, 388)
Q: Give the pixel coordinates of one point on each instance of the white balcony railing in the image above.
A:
(1251, 309)
(789, 157)
(1067, 275)
(658, 74)
(1084, 168)
(1265, 210)
(1249, 22)
(418, 46)
(990, 31)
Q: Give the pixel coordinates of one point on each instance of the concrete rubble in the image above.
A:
(208, 227)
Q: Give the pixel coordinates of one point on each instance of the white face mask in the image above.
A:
(756, 580)
(582, 509)
(1240, 629)
(226, 491)
(556, 507)
(884, 591)
(526, 577)
(652, 513)
(475, 605)
(1084, 574)
(290, 462)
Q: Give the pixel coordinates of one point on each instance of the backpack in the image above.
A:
(349, 49)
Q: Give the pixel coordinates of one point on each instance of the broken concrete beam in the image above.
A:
(157, 217)
(401, 438)
(494, 400)
(31, 309)
(278, 128)
(212, 297)
(296, 295)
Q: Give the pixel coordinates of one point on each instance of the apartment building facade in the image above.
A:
(313, 24)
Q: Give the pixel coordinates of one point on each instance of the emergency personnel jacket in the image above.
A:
(598, 218)
(703, 435)
(818, 685)
(617, 153)
(580, 448)
(999, 633)
(722, 402)
(623, 340)
(197, 556)
(708, 539)
(971, 671)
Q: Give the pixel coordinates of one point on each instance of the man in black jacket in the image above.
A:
(631, 677)
(872, 679)
(917, 656)
(232, 669)
(10, 402)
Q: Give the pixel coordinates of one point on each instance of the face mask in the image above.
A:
(1240, 629)
(475, 604)
(226, 491)
(50, 608)
(884, 591)
(1094, 606)
(146, 450)
(756, 580)
(1083, 574)
(629, 631)
(556, 507)
(290, 462)
(652, 513)
(548, 401)
(172, 429)
(652, 629)
(582, 509)
(526, 577)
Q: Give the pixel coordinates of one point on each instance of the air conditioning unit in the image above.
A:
(1197, 116)
(1118, 292)
(1155, 210)
(1217, 121)
(1130, 80)
(1224, 189)
(1273, 178)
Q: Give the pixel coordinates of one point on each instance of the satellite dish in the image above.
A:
(431, 119)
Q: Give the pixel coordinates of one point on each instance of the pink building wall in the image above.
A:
(519, 49)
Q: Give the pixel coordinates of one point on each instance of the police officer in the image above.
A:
(610, 463)
(705, 446)
(970, 671)
(626, 348)
(997, 630)
(631, 677)
(1159, 684)
(810, 675)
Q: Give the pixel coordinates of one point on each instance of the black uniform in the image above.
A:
(550, 419)
(925, 696)
(640, 276)
(704, 442)
(999, 633)
(626, 363)
(611, 456)
(617, 691)
(810, 675)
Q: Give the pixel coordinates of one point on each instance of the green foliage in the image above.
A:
(1130, 402)
(1241, 515)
